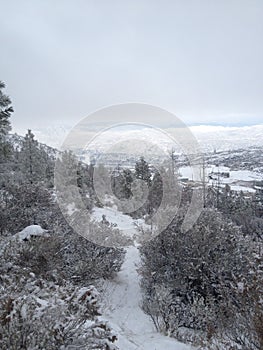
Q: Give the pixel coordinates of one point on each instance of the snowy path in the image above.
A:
(124, 222)
(122, 299)
(122, 296)
(122, 308)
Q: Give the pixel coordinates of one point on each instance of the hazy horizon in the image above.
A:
(202, 61)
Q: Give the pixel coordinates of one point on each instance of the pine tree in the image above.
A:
(142, 171)
(128, 179)
(122, 183)
(5, 126)
(33, 159)
(156, 191)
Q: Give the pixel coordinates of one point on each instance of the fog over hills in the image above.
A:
(210, 137)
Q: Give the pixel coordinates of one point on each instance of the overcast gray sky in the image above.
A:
(201, 60)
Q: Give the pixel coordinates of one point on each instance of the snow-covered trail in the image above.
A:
(134, 328)
(122, 296)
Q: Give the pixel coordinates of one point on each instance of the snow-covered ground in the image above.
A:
(239, 188)
(122, 297)
(235, 175)
(245, 175)
(237, 178)
(124, 222)
(122, 308)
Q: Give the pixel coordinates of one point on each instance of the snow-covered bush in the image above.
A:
(47, 316)
(24, 205)
(63, 257)
(246, 326)
(42, 305)
(190, 278)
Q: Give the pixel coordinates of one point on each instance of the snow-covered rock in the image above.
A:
(31, 231)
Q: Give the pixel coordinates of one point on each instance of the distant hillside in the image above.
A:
(210, 137)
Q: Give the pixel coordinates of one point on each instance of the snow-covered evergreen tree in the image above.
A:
(5, 112)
